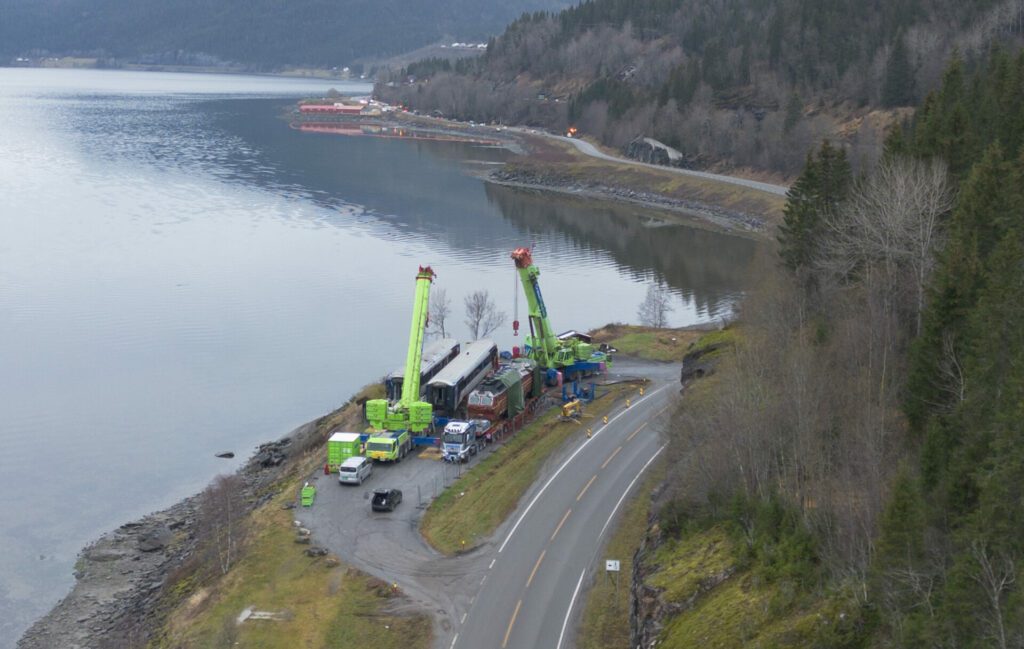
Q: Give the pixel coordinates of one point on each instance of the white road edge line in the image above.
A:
(568, 614)
(572, 602)
(566, 463)
(626, 492)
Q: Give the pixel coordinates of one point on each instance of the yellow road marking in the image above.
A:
(535, 566)
(510, 623)
(633, 434)
(661, 412)
(586, 487)
(560, 524)
(610, 457)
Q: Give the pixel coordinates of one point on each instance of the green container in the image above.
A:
(340, 447)
(308, 494)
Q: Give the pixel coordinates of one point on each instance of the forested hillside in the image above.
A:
(263, 33)
(749, 82)
(864, 444)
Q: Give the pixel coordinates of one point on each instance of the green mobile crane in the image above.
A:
(392, 422)
(573, 354)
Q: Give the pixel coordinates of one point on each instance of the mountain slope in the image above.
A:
(265, 33)
(749, 82)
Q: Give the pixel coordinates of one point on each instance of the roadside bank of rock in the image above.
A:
(549, 181)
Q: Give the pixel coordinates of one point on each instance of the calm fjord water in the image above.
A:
(181, 273)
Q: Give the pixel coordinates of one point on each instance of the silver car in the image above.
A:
(354, 470)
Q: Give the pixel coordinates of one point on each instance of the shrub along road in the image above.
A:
(520, 588)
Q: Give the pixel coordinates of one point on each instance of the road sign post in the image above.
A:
(611, 568)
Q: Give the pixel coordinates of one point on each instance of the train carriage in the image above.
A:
(448, 391)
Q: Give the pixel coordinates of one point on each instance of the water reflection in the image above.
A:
(703, 265)
(402, 183)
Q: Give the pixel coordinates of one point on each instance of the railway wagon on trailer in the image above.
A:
(448, 391)
(503, 394)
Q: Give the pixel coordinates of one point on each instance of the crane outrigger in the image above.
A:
(572, 353)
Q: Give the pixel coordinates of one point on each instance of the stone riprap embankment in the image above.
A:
(551, 181)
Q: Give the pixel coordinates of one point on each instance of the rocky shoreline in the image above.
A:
(122, 578)
(533, 179)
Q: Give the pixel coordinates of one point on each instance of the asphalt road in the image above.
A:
(523, 587)
(549, 550)
(589, 149)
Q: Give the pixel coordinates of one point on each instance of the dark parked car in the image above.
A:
(385, 500)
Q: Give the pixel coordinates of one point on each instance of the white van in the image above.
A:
(354, 470)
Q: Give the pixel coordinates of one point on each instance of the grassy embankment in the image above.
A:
(745, 575)
(729, 601)
(319, 602)
(562, 160)
(476, 504)
(649, 343)
(605, 621)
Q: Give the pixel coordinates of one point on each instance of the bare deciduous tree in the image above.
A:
(482, 316)
(221, 523)
(654, 310)
(951, 377)
(995, 575)
(890, 229)
(440, 309)
(790, 426)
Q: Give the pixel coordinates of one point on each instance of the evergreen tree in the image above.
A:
(981, 598)
(794, 110)
(997, 397)
(989, 196)
(898, 86)
(836, 176)
(900, 560)
(798, 233)
(895, 144)
(901, 534)
(817, 192)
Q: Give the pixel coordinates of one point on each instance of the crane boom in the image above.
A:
(408, 413)
(543, 342)
(573, 354)
(414, 357)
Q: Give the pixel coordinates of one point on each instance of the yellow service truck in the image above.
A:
(388, 446)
